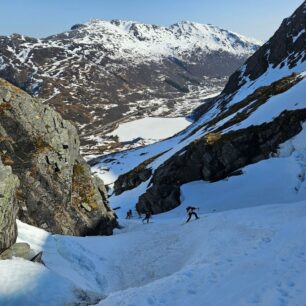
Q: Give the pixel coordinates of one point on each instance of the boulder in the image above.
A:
(55, 181)
(21, 249)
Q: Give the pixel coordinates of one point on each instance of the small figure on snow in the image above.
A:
(147, 217)
(191, 211)
(129, 214)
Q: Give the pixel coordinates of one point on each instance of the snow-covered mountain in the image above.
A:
(145, 43)
(102, 72)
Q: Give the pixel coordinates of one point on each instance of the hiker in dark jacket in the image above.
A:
(147, 217)
(129, 214)
(191, 211)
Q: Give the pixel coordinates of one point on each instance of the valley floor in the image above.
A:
(250, 256)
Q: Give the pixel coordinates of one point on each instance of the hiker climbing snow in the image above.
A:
(147, 217)
(129, 214)
(191, 211)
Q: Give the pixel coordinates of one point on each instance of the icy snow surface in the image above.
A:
(29, 284)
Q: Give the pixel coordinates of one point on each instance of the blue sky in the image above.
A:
(39, 18)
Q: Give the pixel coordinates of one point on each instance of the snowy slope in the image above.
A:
(260, 184)
(234, 255)
(271, 75)
(27, 283)
(252, 256)
(284, 52)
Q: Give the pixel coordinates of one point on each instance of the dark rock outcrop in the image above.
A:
(215, 158)
(8, 205)
(131, 179)
(57, 191)
(135, 177)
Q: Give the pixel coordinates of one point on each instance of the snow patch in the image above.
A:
(150, 128)
(27, 283)
(295, 38)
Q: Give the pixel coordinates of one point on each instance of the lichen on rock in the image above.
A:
(8, 207)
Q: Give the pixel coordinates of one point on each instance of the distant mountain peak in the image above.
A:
(149, 41)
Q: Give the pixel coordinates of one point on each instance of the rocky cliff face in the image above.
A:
(101, 72)
(286, 48)
(57, 191)
(8, 206)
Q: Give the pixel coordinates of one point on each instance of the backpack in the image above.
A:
(190, 209)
